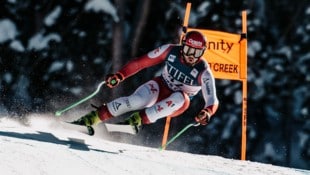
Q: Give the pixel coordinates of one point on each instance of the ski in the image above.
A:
(81, 128)
(123, 128)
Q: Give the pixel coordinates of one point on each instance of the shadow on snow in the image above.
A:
(72, 143)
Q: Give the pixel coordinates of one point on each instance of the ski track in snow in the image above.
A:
(45, 147)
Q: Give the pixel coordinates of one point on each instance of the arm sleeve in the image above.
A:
(209, 91)
(150, 59)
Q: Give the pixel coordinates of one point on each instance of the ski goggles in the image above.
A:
(188, 51)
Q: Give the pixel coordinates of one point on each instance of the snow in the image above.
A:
(7, 30)
(104, 6)
(39, 41)
(52, 17)
(17, 46)
(57, 65)
(43, 146)
(7, 77)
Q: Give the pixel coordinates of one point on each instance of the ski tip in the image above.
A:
(89, 130)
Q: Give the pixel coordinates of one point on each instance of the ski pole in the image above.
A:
(178, 134)
(59, 112)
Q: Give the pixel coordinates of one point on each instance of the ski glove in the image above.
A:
(203, 117)
(112, 80)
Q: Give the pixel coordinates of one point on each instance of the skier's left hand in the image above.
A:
(203, 117)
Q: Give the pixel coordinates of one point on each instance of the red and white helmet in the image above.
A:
(194, 39)
(194, 43)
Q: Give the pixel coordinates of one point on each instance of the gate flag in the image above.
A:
(223, 54)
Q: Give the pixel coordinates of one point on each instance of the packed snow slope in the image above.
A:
(44, 146)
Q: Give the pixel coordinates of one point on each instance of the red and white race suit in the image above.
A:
(170, 93)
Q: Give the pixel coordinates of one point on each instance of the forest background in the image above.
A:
(53, 53)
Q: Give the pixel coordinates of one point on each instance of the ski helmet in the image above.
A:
(194, 43)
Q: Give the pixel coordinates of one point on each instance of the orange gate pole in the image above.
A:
(167, 125)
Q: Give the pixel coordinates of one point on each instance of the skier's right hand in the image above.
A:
(203, 117)
(112, 80)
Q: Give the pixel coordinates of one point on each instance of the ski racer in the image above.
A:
(185, 73)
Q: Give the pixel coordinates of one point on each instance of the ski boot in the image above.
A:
(89, 119)
(135, 121)
(94, 117)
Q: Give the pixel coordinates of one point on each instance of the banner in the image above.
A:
(223, 53)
